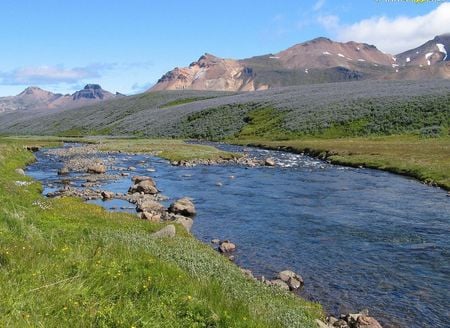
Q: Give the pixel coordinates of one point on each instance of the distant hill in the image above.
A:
(356, 108)
(316, 61)
(33, 98)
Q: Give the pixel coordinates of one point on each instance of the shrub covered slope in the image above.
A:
(329, 110)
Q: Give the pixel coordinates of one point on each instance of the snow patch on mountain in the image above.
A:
(442, 49)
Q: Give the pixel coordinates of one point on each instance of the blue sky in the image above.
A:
(127, 45)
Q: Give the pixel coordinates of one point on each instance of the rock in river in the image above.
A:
(269, 162)
(145, 186)
(227, 247)
(107, 195)
(63, 171)
(139, 178)
(96, 169)
(183, 206)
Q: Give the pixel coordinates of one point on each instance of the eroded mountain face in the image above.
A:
(315, 61)
(208, 73)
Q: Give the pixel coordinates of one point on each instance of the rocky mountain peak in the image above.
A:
(430, 53)
(92, 86)
(91, 91)
(33, 91)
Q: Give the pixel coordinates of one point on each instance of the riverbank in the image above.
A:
(64, 261)
(426, 159)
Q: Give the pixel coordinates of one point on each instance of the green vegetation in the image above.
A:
(172, 150)
(182, 101)
(67, 263)
(427, 159)
(263, 123)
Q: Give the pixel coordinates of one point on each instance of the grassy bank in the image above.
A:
(427, 159)
(66, 263)
(170, 149)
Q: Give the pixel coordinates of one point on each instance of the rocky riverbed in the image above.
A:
(88, 163)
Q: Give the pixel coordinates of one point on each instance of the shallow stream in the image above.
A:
(360, 238)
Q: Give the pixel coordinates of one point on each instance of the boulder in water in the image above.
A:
(227, 247)
(183, 206)
(96, 169)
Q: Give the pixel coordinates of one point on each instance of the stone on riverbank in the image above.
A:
(293, 280)
(185, 222)
(151, 216)
(278, 283)
(20, 171)
(351, 320)
(183, 206)
(149, 205)
(166, 232)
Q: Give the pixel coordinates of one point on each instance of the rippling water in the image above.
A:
(360, 238)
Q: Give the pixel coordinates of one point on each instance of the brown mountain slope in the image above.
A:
(316, 61)
(324, 53)
(208, 73)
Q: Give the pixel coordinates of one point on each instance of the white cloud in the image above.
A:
(318, 5)
(52, 74)
(330, 22)
(395, 35)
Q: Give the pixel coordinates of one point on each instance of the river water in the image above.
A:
(360, 238)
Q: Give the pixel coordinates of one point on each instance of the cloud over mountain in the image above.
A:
(38, 75)
(394, 35)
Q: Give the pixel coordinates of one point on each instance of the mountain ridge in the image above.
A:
(315, 61)
(33, 98)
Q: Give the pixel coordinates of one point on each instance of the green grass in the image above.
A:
(263, 122)
(170, 149)
(183, 101)
(65, 263)
(427, 159)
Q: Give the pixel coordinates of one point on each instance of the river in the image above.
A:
(360, 238)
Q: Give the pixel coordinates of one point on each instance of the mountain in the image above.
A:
(430, 53)
(316, 61)
(208, 73)
(37, 98)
